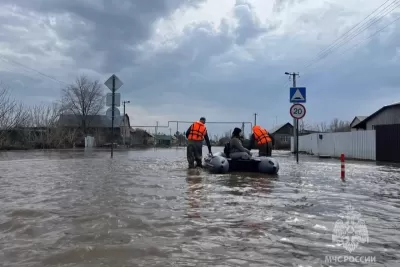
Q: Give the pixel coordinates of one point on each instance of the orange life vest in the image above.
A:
(261, 135)
(197, 131)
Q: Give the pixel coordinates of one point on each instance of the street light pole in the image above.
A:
(125, 102)
(295, 121)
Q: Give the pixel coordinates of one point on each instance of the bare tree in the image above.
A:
(84, 98)
(13, 115)
(44, 125)
(323, 127)
(69, 135)
(337, 125)
(306, 126)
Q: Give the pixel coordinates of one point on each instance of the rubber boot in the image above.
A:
(199, 164)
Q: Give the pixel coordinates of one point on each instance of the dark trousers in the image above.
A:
(194, 153)
(265, 149)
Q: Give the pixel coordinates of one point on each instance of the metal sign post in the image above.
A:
(113, 83)
(297, 111)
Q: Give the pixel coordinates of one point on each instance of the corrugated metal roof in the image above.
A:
(362, 123)
(361, 118)
(141, 131)
(277, 128)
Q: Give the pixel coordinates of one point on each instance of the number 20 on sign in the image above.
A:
(297, 111)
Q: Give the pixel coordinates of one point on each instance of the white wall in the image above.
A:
(89, 141)
(357, 145)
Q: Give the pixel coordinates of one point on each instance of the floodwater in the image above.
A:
(145, 208)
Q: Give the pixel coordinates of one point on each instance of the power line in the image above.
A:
(346, 33)
(370, 37)
(374, 21)
(31, 69)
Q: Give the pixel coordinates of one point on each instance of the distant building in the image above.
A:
(386, 115)
(98, 126)
(282, 134)
(355, 121)
(140, 137)
(165, 140)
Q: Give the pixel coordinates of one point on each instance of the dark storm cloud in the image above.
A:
(93, 28)
(206, 64)
(109, 27)
(183, 69)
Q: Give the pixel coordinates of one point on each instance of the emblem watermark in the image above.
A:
(350, 233)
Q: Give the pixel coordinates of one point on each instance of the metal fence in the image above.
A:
(356, 145)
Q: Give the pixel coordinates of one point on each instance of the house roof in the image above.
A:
(363, 123)
(163, 137)
(360, 118)
(93, 121)
(134, 131)
(277, 128)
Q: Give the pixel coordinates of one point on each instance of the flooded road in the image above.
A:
(145, 208)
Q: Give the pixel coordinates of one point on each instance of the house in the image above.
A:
(389, 114)
(164, 140)
(355, 121)
(282, 134)
(140, 137)
(98, 126)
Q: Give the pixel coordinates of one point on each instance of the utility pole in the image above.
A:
(255, 119)
(295, 121)
(125, 102)
(243, 129)
(177, 135)
(155, 136)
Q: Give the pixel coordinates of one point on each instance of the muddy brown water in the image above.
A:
(145, 208)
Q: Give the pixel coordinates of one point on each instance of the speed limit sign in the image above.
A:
(297, 111)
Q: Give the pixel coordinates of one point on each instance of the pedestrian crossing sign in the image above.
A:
(297, 95)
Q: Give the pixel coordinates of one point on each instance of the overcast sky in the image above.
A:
(222, 59)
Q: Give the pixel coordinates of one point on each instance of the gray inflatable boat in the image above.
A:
(219, 163)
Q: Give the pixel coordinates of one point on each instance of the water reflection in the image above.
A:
(195, 192)
(145, 208)
(250, 183)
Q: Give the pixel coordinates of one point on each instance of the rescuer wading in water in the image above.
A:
(263, 140)
(195, 134)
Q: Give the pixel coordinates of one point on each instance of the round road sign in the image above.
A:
(297, 111)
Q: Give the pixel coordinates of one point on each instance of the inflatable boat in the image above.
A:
(219, 163)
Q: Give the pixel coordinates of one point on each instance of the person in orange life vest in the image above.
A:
(263, 139)
(196, 133)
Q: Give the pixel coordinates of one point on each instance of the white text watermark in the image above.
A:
(352, 259)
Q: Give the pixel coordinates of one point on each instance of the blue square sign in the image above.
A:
(297, 95)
